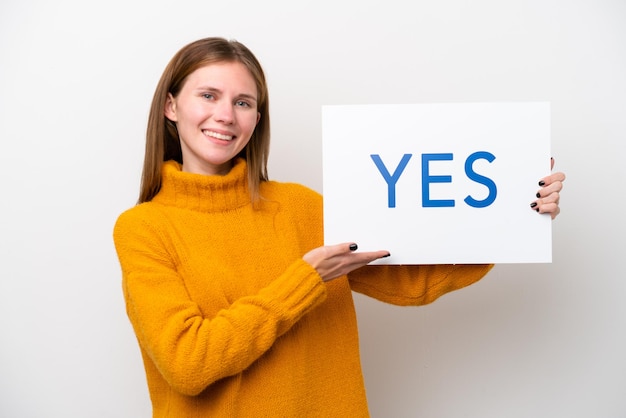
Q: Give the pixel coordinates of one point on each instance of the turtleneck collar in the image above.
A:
(204, 193)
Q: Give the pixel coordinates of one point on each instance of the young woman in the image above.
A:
(238, 308)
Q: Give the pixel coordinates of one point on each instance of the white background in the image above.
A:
(76, 80)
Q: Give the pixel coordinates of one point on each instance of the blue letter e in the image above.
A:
(427, 179)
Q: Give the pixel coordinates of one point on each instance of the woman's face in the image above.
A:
(215, 114)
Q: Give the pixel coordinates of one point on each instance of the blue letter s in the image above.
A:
(469, 171)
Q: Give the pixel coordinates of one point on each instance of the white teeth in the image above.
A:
(219, 136)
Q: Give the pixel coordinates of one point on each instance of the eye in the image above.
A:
(208, 96)
(242, 103)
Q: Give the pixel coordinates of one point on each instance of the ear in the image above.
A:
(170, 108)
(258, 117)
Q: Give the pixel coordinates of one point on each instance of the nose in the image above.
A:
(224, 112)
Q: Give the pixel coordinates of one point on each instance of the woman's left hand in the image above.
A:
(549, 194)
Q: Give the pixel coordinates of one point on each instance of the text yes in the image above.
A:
(427, 202)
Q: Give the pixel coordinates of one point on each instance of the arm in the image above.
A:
(190, 350)
(406, 285)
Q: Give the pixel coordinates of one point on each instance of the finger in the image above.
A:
(551, 163)
(549, 189)
(550, 208)
(343, 263)
(558, 176)
(357, 260)
(351, 247)
(340, 249)
(551, 198)
(362, 258)
(369, 256)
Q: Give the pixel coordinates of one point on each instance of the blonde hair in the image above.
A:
(162, 141)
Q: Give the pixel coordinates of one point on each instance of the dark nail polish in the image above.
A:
(542, 183)
(532, 205)
(538, 195)
(537, 210)
(387, 255)
(353, 247)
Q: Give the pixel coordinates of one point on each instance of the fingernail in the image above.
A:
(353, 247)
(532, 205)
(538, 195)
(537, 210)
(387, 255)
(542, 183)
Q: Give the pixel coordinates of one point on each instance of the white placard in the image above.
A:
(441, 183)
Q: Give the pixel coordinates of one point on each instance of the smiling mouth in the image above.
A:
(219, 136)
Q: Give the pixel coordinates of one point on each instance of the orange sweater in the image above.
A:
(230, 320)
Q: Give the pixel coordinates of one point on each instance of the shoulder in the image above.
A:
(138, 217)
(137, 213)
(142, 229)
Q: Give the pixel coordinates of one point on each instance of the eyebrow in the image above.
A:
(241, 95)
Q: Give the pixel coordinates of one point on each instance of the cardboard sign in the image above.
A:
(443, 183)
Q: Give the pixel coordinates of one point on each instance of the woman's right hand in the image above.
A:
(332, 261)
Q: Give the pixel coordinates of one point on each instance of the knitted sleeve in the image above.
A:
(414, 284)
(189, 350)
